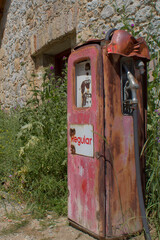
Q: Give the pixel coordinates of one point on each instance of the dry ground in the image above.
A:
(16, 223)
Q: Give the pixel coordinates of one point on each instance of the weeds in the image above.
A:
(9, 126)
(153, 146)
(37, 171)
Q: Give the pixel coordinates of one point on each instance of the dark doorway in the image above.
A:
(60, 60)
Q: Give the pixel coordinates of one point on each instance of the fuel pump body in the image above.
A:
(86, 187)
(103, 198)
(123, 214)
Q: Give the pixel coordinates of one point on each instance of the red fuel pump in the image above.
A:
(107, 81)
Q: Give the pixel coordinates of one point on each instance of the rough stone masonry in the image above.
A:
(31, 29)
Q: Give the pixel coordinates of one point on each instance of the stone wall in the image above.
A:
(30, 29)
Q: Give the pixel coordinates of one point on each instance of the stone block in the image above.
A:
(2, 53)
(131, 9)
(92, 5)
(61, 25)
(143, 14)
(17, 64)
(2, 75)
(107, 12)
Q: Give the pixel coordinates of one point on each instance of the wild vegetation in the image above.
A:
(33, 150)
(153, 142)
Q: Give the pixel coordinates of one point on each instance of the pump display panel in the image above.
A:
(83, 84)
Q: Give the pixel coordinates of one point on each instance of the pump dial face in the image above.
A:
(83, 84)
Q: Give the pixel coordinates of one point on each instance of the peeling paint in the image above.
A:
(103, 197)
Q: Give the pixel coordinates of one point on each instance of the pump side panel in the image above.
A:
(122, 203)
(86, 201)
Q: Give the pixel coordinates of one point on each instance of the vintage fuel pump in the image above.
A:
(107, 103)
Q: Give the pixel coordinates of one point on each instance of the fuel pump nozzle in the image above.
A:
(131, 85)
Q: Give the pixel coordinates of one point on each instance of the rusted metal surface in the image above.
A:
(86, 201)
(122, 204)
(103, 198)
(123, 43)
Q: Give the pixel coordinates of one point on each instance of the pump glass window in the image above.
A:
(83, 84)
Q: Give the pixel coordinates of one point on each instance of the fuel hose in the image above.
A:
(138, 173)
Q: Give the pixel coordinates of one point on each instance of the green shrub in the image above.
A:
(153, 145)
(43, 135)
(40, 170)
(9, 126)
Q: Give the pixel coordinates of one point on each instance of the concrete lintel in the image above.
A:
(63, 25)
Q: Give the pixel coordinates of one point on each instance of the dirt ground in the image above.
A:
(17, 223)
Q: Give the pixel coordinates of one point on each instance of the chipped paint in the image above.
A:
(85, 120)
(103, 198)
(122, 205)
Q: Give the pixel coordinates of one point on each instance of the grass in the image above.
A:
(33, 149)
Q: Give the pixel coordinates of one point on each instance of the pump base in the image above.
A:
(83, 229)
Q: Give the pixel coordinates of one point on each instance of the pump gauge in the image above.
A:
(83, 84)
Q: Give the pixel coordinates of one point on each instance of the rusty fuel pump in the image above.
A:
(107, 105)
(129, 87)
